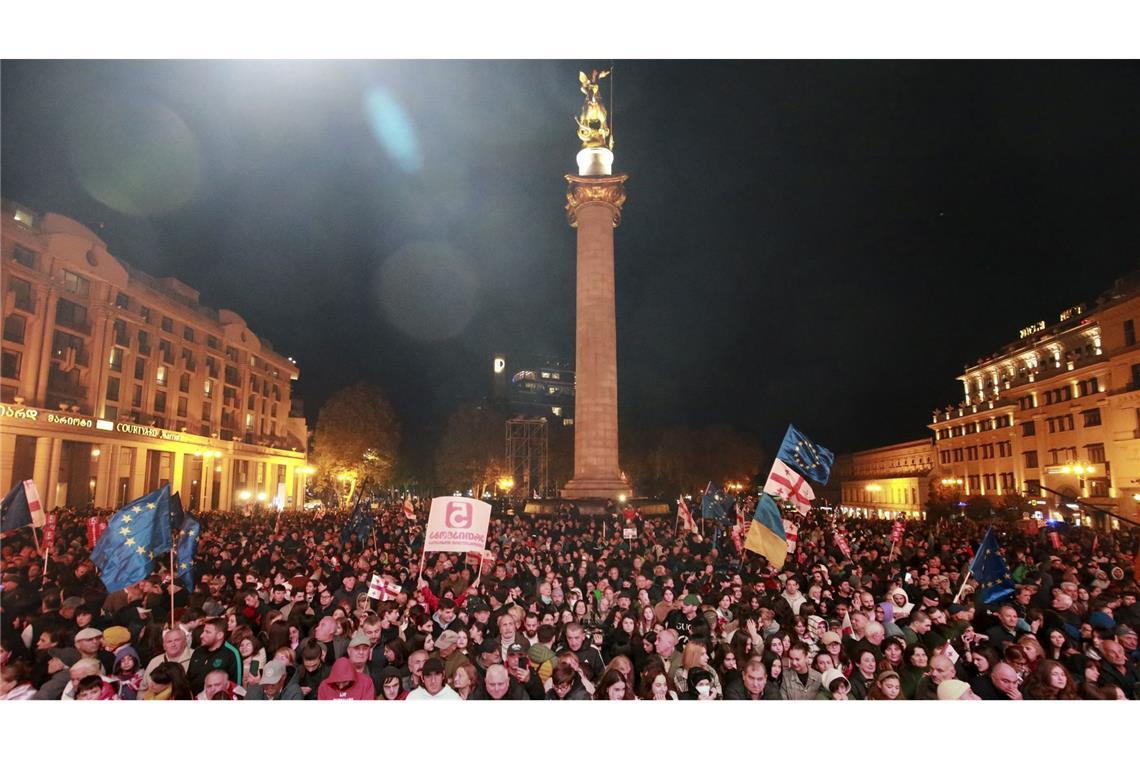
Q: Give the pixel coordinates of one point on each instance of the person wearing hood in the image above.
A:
(346, 682)
(901, 601)
(835, 685)
(128, 671)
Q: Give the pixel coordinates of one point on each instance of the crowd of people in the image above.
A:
(567, 608)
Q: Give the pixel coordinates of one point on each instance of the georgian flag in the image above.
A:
(790, 531)
(409, 510)
(685, 517)
(786, 484)
(950, 653)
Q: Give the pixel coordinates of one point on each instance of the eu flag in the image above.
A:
(135, 535)
(360, 523)
(185, 546)
(991, 572)
(715, 505)
(810, 459)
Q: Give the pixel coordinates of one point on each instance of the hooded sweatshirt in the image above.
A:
(361, 688)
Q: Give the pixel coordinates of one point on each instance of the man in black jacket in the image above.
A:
(214, 653)
(753, 685)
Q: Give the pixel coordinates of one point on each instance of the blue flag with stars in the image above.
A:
(360, 523)
(186, 544)
(991, 571)
(809, 459)
(715, 505)
(135, 536)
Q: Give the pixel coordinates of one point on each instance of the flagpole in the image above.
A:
(961, 590)
(47, 551)
(35, 538)
(172, 588)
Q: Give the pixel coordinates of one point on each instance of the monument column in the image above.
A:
(594, 208)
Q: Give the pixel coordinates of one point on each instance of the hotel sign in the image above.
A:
(1036, 327)
(1072, 311)
(72, 420)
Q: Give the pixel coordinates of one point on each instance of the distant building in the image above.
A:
(1058, 409)
(885, 481)
(536, 387)
(114, 382)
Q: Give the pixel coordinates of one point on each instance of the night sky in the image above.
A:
(824, 243)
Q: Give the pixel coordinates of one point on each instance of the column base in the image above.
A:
(597, 488)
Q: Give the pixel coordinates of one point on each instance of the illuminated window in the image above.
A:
(160, 375)
(116, 360)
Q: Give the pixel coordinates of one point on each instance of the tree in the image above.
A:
(684, 461)
(471, 452)
(357, 436)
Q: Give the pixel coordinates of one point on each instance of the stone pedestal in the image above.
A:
(594, 209)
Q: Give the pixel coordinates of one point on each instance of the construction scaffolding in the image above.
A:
(527, 456)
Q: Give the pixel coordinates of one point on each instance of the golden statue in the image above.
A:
(593, 126)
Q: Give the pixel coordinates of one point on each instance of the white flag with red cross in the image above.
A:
(787, 484)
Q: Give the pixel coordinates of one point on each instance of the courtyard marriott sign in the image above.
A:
(72, 420)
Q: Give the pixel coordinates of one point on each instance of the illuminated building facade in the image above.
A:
(886, 481)
(542, 387)
(115, 382)
(1059, 408)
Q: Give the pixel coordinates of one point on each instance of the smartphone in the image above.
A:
(907, 578)
(254, 668)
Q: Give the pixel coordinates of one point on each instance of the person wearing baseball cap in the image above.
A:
(272, 686)
(683, 620)
(453, 657)
(434, 686)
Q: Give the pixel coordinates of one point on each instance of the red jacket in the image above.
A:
(361, 688)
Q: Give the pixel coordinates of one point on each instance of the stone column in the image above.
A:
(53, 473)
(7, 460)
(594, 208)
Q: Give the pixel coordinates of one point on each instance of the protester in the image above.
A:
(564, 612)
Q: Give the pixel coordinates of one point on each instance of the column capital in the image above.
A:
(584, 191)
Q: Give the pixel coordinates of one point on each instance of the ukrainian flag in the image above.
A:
(766, 533)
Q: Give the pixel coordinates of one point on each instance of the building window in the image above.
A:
(14, 328)
(208, 388)
(184, 383)
(144, 343)
(971, 453)
(1031, 459)
(1033, 488)
(1028, 428)
(10, 365)
(110, 412)
(159, 401)
(990, 481)
(116, 359)
(974, 482)
(144, 312)
(248, 420)
(1090, 386)
(120, 333)
(231, 354)
(160, 375)
(67, 347)
(987, 451)
(122, 301)
(188, 334)
(73, 283)
(1092, 417)
(182, 404)
(944, 456)
(71, 315)
(207, 411)
(23, 297)
(23, 256)
(1095, 453)
(136, 396)
(1004, 449)
(211, 366)
(188, 360)
(167, 325)
(212, 342)
(112, 389)
(166, 351)
(140, 369)
(1129, 333)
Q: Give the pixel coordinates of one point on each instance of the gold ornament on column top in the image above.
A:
(593, 122)
(586, 190)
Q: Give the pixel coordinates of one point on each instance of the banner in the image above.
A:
(92, 531)
(381, 589)
(629, 533)
(49, 529)
(457, 524)
(896, 532)
(841, 542)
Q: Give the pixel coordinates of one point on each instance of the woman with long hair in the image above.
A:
(655, 684)
(917, 658)
(888, 686)
(694, 655)
(464, 680)
(168, 682)
(1050, 681)
(613, 687)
